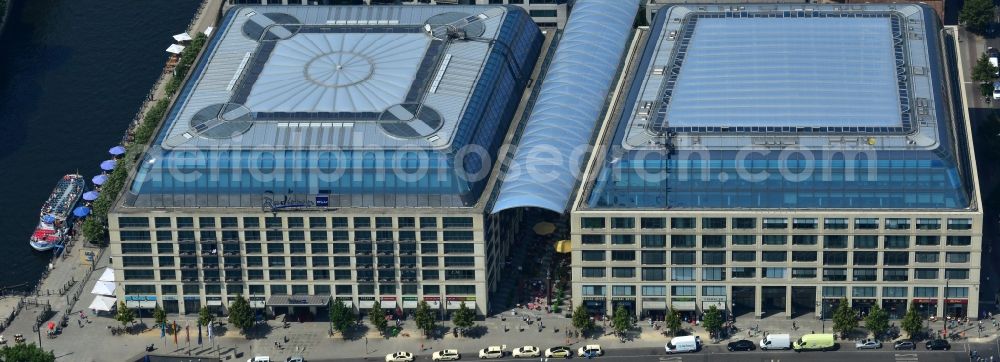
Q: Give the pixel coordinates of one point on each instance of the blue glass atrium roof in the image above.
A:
(843, 108)
(357, 106)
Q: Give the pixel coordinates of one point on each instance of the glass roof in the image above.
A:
(776, 72)
(356, 106)
(838, 166)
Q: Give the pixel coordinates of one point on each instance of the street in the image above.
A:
(959, 352)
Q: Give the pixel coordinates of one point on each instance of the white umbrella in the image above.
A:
(175, 48)
(104, 288)
(103, 303)
(108, 275)
(182, 37)
(208, 31)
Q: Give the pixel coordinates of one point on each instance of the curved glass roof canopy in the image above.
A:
(572, 98)
(776, 106)
(357, 106)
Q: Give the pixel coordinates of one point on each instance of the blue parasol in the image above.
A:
(49, 218)
(81, 211)
(99, 179)
(117, 150)
(90, 195)
(108, 165)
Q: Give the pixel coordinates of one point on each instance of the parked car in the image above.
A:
(446, 355)
(741, 345)
(295, 359)
(867, 344)
(558, 352)
(526, 351)
(399, 357)
(491, 352)
(593, 350)
(938, 345)
(904, 344)
(260, 359)
(776, 341)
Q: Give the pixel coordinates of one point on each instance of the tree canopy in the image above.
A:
(25, 353)
(713, 321)
(582, 320)
(205, 316)
(425, 318)
(240, 315)
(159, 315)
(621, 321)
(341, 317)
(984, 71)
(464, 317)
(124, 315)
(877, 321)
(976, 15)
(845, 319)
(377, 317)
(912, 322)
(672, 322)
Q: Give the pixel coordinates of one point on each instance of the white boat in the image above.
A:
(53, 220)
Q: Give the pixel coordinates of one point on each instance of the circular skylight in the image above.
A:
(338, 69)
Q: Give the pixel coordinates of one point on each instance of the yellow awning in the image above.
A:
(564, 246)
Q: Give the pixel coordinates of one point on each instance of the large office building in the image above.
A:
(547, 13)
(774, 159)
(322, 152)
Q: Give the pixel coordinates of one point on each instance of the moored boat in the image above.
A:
(54, 217)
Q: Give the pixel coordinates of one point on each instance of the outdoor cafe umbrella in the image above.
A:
(52, 325)
(108, 165)
(90, 195)
(175, 49)
(182, 37)
(117, 150)
(99, 179)
(81, 211)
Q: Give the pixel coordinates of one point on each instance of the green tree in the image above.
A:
(240, 315)
(464, 318)
(25, 353)
(377, 317)
(159, 315)
(713, 321)
(845, 319)
(877, 321)
(621, 321)
(124, 315)
(341, 317)
(976, 15)
(582, 320)
(912, 324)
(672, 322)
(425, 318)
(984, 71)
(205, 316)
(93, 230)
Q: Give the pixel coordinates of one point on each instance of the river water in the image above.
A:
(72, 75)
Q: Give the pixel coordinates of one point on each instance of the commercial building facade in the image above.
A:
(331, 152)
(773, 159)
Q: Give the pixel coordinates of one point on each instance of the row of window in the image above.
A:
(720, 241)
(719, 273)
(362, 275)
(210, 249)
(300, 289)
(235, 262)
(659, 257)
(772, 223)
(296, 222)
(718, 290)
(295, 235)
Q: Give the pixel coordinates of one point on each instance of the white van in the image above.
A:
(776, 341)
(682, 344)
(996, 90)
